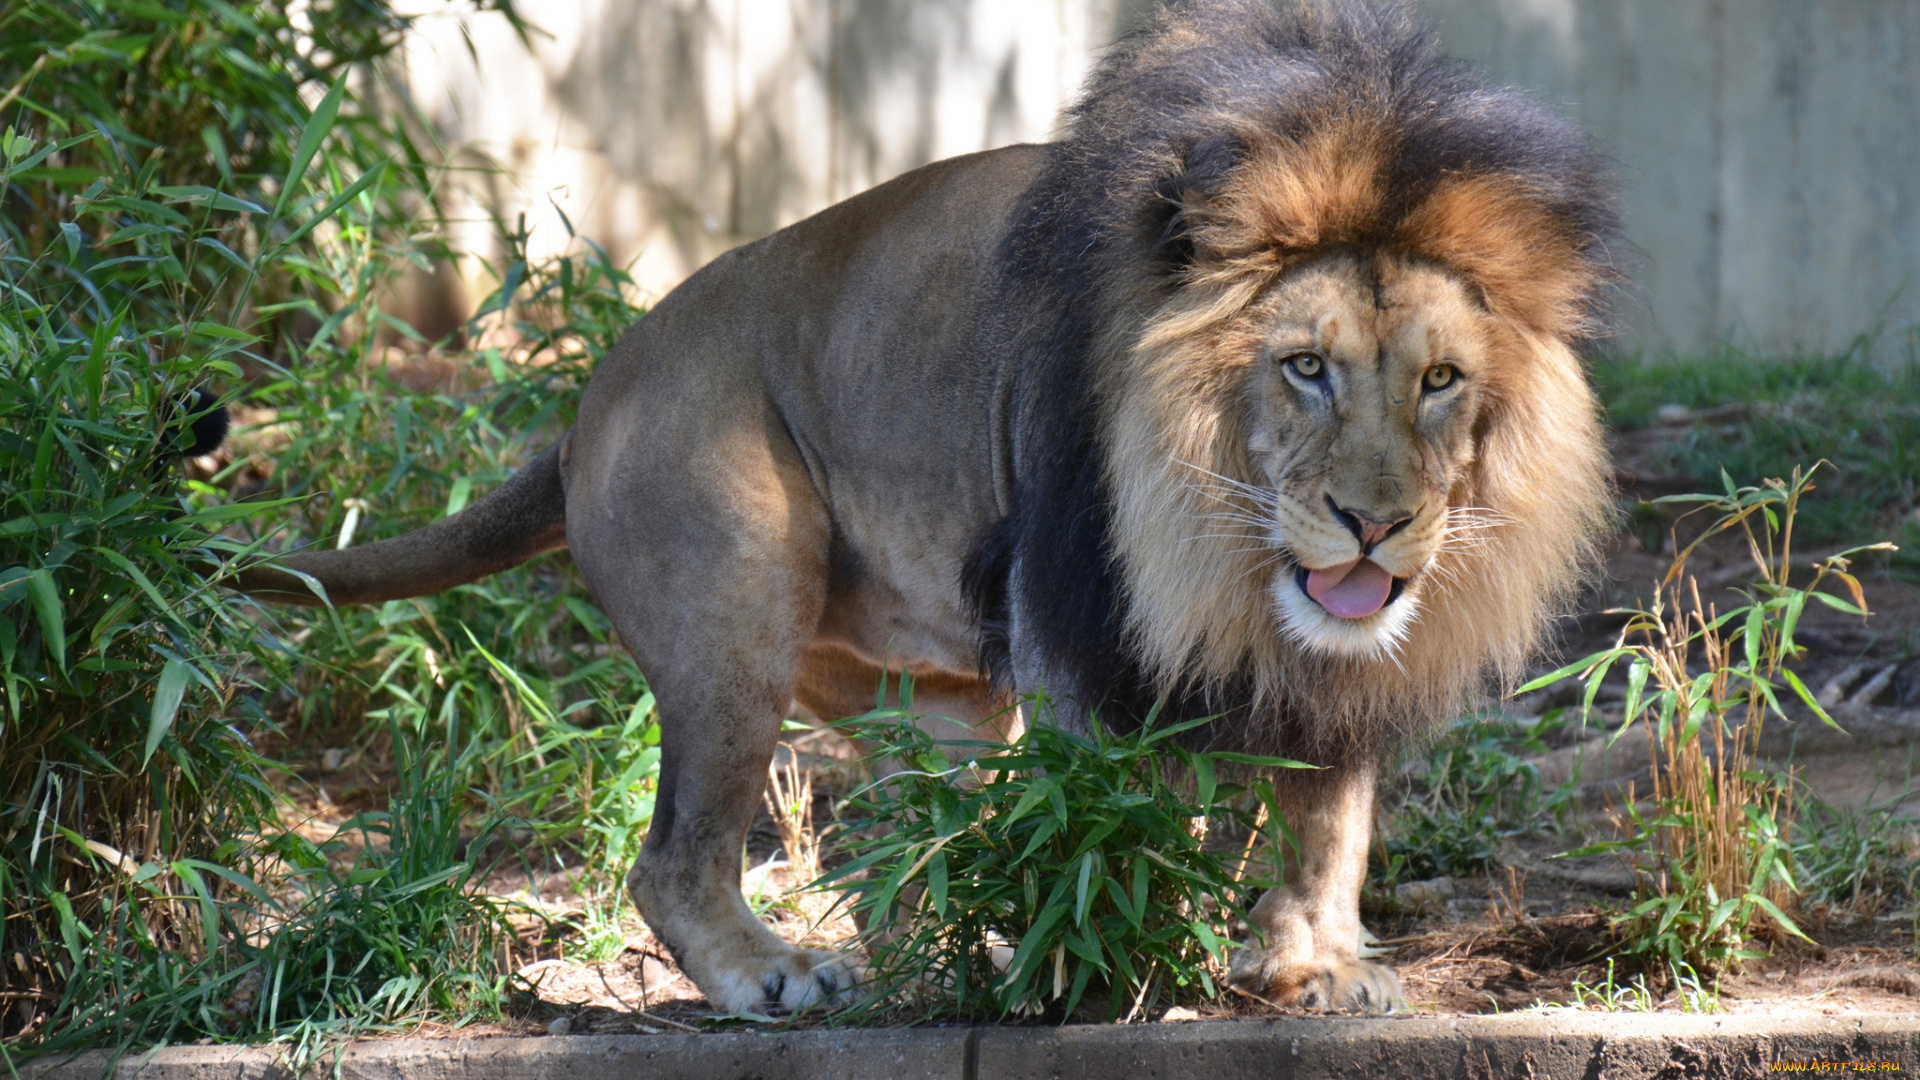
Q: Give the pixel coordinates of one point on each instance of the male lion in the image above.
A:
(1254, 393)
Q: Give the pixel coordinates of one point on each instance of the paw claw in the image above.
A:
(1327, 986)
(799, 980)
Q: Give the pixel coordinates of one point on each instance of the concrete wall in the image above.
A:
(1770, 148)
(671, 130)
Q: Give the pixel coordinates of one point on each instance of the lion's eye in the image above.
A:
(1439, 377)
(1306, 365)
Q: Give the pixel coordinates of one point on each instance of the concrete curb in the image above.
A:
(1614, 1046)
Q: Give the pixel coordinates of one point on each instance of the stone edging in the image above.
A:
(1618, 1046)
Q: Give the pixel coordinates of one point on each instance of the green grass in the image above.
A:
(1863, 860)
(1862, 417)
(375, 929)
(1465, 794)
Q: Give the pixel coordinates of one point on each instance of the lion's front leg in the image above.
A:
(1306, 945)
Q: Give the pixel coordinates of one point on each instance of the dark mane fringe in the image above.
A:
(1130, 206)
(1168, 114)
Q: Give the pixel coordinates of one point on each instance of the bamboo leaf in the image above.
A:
(1205, 782)
(1796, 603)
(1780, 918)
(318, 125)
(1807, 698)
(167, 694)
(1081, 896)
(339, 201)
(1158, 734)
(1637, 672)
(45, 592)
(1030, 945)
(1838, 604)
(1556, 675)
(1035, 795)
(1265, 761)
(1719, 915)
(937, 883)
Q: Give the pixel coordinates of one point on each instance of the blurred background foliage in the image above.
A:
(212, 198)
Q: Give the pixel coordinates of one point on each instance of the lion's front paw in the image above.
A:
(790, 981)
(1330, 986)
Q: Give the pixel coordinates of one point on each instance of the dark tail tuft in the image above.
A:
(194, 424)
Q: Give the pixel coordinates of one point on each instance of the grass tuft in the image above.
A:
(197, 206)
(1465, 795)
(997, 879)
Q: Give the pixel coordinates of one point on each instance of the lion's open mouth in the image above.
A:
(1351, 590)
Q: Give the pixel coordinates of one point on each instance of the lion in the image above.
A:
(1254, 396)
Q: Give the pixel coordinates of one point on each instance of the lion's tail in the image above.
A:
(525, 517)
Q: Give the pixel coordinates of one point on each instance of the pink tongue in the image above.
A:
(1352, 590)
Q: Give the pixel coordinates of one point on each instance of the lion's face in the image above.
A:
(1360, 457)
(1361, 409)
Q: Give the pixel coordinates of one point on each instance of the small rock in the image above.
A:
(1425, 894)
(656, 973)
(1891, 980)
(1906, 683)
(559, 1025)
(333, 760)
(245, 992)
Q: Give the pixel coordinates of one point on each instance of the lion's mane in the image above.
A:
(1211, 153)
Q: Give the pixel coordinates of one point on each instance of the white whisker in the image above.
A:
(1264, 543)
(1258, 494)
(1237, 519)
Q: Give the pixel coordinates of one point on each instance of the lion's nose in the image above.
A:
(1366, 528)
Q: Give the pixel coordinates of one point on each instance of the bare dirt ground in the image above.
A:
(1534, 934)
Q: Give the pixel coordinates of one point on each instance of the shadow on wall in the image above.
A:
(647, 111)
(737, 117)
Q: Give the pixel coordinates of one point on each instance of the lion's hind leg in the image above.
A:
(711, 559)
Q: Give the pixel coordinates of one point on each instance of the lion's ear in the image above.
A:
(1204, 173)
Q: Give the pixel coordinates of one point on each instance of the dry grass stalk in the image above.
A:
(1716, 787)
(1253, 838)
(789, 799)
(1720, 838)
(1507, 905)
